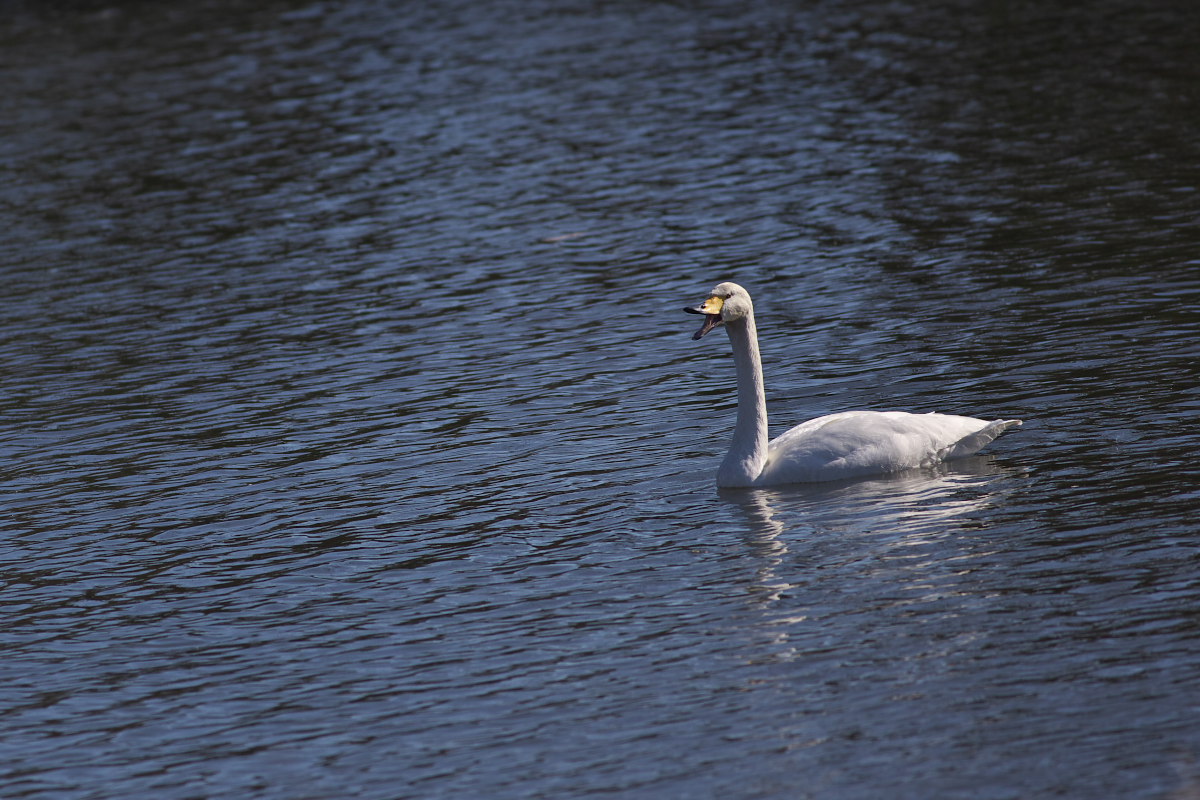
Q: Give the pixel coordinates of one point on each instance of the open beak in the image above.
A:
(711, 309)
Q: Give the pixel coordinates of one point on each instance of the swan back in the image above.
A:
(854, 444)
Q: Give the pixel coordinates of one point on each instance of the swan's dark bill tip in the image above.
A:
(710, 321)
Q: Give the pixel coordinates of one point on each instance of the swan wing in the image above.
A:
(857, 443)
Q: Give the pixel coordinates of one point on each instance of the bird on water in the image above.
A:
(849, 444)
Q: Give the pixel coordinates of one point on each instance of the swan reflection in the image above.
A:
(850, 521)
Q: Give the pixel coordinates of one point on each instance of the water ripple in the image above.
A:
(354, 444)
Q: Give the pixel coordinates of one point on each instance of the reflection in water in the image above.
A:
(767, 541)
(904, 510)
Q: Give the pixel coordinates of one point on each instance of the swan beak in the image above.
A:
(711, 309)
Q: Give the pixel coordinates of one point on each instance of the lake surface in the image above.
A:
(354, 444)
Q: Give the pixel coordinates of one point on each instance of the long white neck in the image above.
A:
(748, 452)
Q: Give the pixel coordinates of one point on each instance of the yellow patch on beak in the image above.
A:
(712, 305)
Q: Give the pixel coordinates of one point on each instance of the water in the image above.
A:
(354, 443)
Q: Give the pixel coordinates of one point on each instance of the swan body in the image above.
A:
(849, 444)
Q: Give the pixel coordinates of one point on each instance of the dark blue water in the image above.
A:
(354, 445)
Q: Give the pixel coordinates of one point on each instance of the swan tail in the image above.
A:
(976, 441)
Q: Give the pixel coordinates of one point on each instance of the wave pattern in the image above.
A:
(353, 444)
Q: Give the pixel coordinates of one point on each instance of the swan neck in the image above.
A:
(748, 452)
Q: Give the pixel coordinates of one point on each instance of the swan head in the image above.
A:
(727, 302)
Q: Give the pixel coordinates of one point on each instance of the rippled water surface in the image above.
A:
(354, 444)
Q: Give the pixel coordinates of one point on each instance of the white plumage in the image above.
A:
(849, 444)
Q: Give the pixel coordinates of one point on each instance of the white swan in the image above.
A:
(847, 445)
